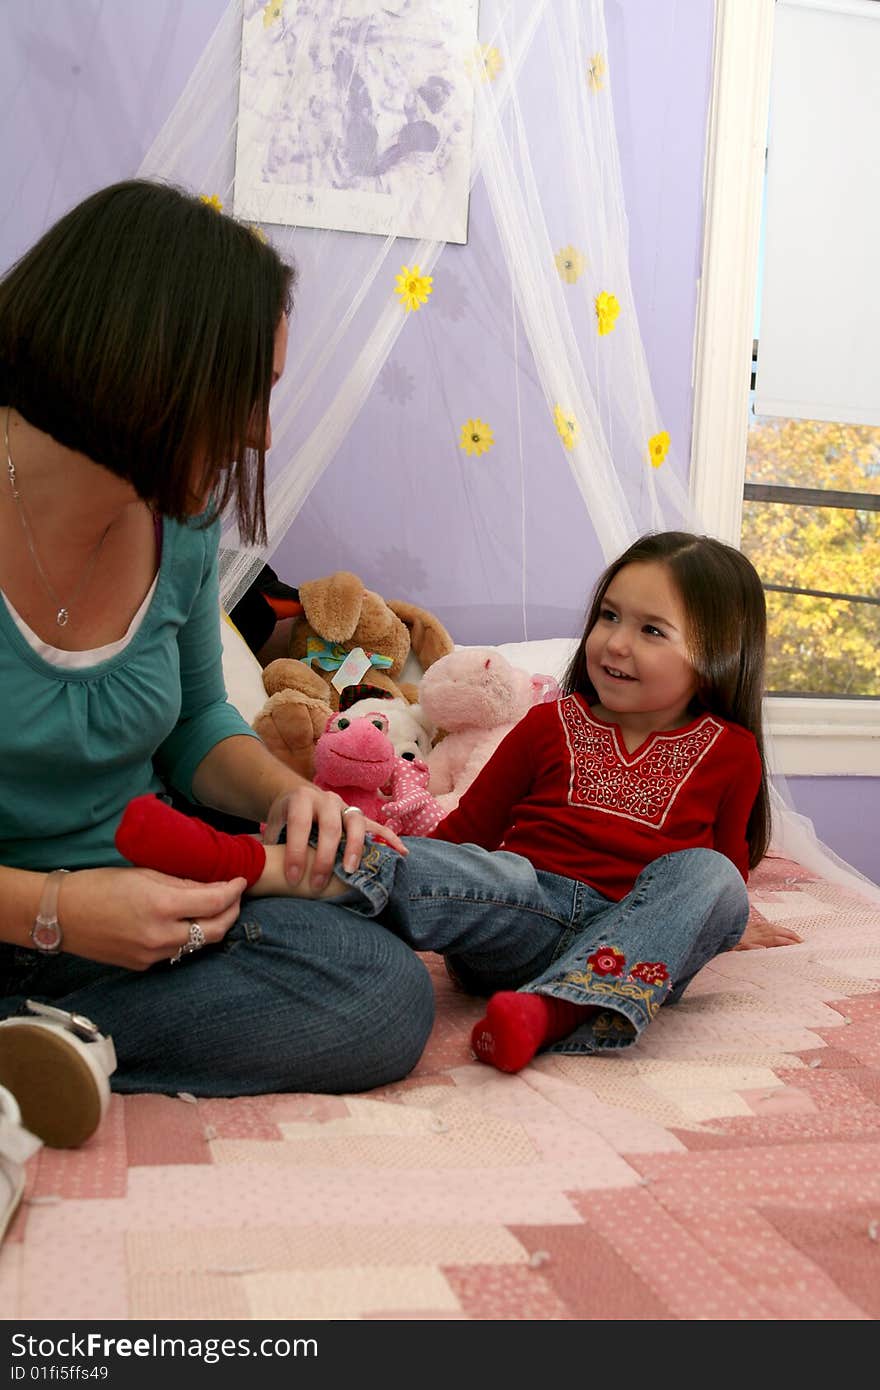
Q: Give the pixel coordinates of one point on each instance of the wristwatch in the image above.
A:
(46, 931)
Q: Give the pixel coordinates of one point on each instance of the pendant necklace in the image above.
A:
(62, 616)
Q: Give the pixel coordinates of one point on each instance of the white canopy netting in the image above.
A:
(303, 112)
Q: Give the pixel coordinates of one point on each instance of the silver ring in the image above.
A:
(195, 940)
(348, 810)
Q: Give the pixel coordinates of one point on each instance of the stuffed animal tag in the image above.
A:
(355, 665)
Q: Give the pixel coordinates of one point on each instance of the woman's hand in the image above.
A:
(308, 805)
(760, 934)
(137, 917)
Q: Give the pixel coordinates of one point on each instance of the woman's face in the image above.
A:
(278, 361)
(199, 495)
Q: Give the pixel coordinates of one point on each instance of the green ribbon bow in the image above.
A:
(330, 655)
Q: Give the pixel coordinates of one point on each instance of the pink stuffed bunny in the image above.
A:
(476, 696)
(355, 758)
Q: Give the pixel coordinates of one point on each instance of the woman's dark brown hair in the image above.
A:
(727, 630)
(139, 331)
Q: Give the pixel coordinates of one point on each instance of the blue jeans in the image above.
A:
(300, 996)
(503, 924)
(304, 996)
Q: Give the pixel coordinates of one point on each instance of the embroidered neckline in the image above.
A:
(642, 786)
(616, 733)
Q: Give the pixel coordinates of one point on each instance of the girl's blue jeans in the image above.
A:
(306, 996)
(503, 924)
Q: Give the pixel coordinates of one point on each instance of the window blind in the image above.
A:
(819, 355)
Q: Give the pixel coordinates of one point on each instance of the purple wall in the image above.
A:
(845, 812)
(662, 55)
(87, 86)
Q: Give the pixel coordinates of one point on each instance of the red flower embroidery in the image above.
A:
(607, 961)
(653, 972)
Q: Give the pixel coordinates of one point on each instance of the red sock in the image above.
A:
(153, 835)
(517, 1025)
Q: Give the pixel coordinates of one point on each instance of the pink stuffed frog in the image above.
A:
(476, 696)
(355, 758)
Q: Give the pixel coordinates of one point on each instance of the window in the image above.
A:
(815, 730)
(811, 524)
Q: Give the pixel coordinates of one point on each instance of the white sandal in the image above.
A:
(56, 1065)
(16, 1146)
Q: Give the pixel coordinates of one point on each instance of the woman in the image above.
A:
(139, 342)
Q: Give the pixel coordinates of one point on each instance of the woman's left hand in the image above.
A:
(308, 805)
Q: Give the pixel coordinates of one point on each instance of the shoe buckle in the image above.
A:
(78, 1024)
(84, 1028)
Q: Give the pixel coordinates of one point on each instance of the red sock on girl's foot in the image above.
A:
(517, 1025)
(153, 835)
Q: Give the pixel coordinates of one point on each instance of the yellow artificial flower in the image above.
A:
(607, 309)
(271, 12)
(212, 201)
(571, 264)
(476, 437)
(596, 72)
(258, 233)
(567, 427)
(487, 61)
(413, 287)
(658, 447)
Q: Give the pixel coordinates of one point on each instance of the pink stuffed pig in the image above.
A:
(476, 696)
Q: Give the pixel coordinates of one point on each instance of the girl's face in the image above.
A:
(637, 652)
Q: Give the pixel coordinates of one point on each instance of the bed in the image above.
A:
(727, 1168)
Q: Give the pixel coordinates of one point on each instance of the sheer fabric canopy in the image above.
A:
(547, 277)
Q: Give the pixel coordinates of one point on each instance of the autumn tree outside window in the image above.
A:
(811, 524)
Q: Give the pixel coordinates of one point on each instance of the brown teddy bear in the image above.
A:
(340, 617)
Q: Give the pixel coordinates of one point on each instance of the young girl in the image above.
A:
(600, 859)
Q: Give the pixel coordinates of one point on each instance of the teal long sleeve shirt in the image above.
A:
(76, 746)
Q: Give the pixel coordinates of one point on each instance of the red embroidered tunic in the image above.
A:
(562, 790)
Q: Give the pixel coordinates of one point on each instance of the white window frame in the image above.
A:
(809, 737)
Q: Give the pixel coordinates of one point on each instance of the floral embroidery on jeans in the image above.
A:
(645, 985)
(607, 1023)
(652, 972)
(645, 996)
(607, 961)
(371, 858)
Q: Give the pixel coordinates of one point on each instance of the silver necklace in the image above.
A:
(62, 617)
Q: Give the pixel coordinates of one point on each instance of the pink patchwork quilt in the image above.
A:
(727, 1168)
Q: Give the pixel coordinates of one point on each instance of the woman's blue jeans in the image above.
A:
(306, 996)
(300, 996)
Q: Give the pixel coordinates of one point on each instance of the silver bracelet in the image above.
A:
(46, 931)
